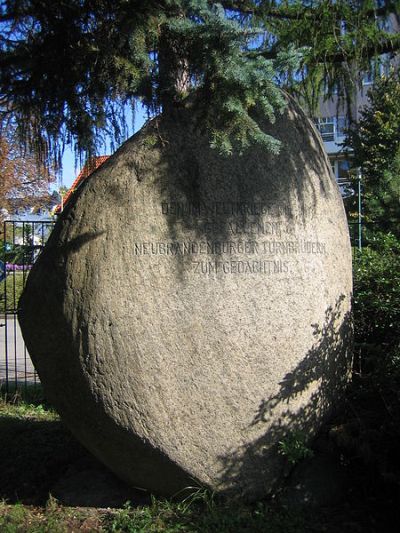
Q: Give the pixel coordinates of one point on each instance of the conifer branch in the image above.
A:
(296, 13)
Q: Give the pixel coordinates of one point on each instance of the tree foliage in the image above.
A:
(68, 68)
(377, 291)
(23, 183)
(375, 140)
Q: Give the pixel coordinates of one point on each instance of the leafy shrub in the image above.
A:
(370, 429)
(377, 292)
(375, 143)
(295, 447)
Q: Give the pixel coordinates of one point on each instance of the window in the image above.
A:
(341, 168)
(341, 126)
(368, 78)
(326, 127)
(385, 24)
(331, 128)
(378, 67)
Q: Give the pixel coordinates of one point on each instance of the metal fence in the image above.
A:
(362, 235)
(356, 232)
(20, 244)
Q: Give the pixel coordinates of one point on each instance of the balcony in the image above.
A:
(333, 132)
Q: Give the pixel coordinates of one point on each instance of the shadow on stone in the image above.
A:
(325, 366)
(202, 171)
(202, 187)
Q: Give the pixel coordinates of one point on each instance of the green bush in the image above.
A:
(10, 291)
(377, 292)
(372, 421)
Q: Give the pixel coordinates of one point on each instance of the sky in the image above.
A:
(69, 172)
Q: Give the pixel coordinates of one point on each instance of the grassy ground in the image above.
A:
(43, 472)
(158, 517)
(10, 290)
(36, 450)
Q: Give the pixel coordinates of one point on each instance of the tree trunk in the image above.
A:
(174, 75)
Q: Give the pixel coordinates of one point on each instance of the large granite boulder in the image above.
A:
(190, 310)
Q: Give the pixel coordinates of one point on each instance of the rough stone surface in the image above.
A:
(189, 310)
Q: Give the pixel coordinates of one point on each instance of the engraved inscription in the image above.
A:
(201, 209)
(229, 248)
(240, 267)
(269, 266)
(260, 240)
(184, 209)
(246, 227)
(193, 248)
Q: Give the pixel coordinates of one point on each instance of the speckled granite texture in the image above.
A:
(190, 310)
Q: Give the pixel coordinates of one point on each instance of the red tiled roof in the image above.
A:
(88, 168)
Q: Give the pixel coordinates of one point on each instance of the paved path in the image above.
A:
(13, 353)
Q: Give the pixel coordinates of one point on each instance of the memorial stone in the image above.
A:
(191, 310)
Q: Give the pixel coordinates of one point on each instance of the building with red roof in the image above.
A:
(89, 167)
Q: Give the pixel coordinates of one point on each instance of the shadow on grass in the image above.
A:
(40, 457)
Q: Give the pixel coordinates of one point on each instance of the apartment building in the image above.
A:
(332, 121)
(333, 117)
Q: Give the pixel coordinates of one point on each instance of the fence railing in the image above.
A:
(362, 235)
(20, 245)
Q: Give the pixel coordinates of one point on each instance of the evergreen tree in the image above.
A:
(376, 144)
(69, 67)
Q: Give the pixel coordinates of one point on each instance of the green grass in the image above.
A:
(11, 290)
(52, 518)
(34, 448)
(27, 412)
(203, 514)
(26, 404)
(158, 517)
(200, 516)
(21, 395)
(36, 451)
